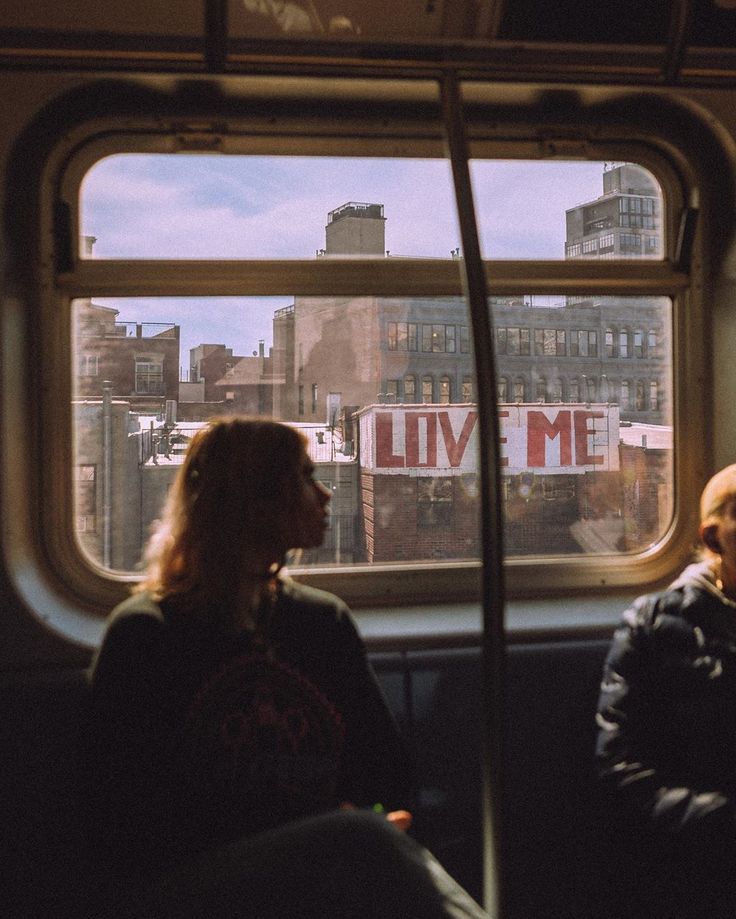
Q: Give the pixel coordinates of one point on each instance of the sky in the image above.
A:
(210, 206)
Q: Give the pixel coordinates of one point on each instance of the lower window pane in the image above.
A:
(586, 433)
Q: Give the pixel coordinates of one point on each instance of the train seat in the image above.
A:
(555, 842)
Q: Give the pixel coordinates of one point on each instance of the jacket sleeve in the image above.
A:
(125, 772)
(375, 765)
(636, 749)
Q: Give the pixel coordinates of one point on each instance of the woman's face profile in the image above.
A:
(309, 515)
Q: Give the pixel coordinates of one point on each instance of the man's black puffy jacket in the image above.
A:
(667, 738)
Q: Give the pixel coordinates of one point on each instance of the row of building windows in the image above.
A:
(630, 395)
(629, 243)
(149, 375)
(637, 212)
(576, 343)
(434, 337)
(427, 390)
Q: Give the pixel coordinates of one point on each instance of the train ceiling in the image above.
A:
(637, 41)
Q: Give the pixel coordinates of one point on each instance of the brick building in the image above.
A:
(140, 359)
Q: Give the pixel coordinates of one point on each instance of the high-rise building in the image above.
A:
(624, 222)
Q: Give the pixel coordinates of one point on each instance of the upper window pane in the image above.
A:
(243, 207)
(567, 210)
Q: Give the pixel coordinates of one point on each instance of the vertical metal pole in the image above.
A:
(494, 652)
(107, 473)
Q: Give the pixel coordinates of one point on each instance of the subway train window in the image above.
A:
(381, 385)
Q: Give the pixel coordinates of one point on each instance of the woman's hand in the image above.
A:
(402, 820)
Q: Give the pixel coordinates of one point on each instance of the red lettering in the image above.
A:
(411, 420)
(503, 440)
(582, 457)
(538, 429)
(456, 448)
(385, 457)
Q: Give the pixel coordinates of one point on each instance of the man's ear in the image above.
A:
(709, 536)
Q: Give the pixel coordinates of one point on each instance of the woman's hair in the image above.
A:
(227, 513)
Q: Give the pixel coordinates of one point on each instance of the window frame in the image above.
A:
(83, 144)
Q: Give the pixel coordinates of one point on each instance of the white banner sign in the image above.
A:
(443, 439)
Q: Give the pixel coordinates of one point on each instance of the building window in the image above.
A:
(573, 390)
(555, 391)
(402, 336)
(636, 212)
(541, 390)
(445, 391)
(590, 246)
(514, 341)
(590, 389)
(607, 241)
(314, 398)
(623, 343)
(641, 402)
(434, 501)
(630, 243)
(610, 343)
(583, 343)
(519, 390)
(427, 390)
(573, 250)
(450, 343)
(410, 388)
(653, 395)
(85, 482)
(87, 365)
(467, 390)
(149, 377)
(625, 395)
(638, 343)
(438, 338)
(392, 390)
(464, 339)
(503, 389)
(301, 399)
(652, 341)
(549, 342)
